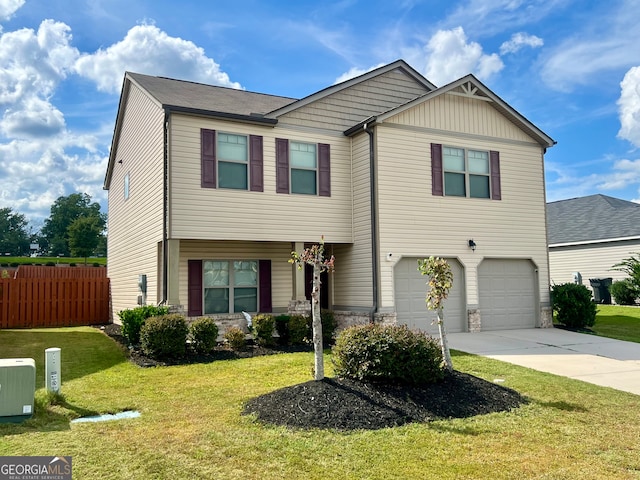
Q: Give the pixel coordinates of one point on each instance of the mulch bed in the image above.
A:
(344, 404)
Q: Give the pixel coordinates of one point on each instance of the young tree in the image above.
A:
(440, 282)
(84, 236)
(631, 266)
(64, 211)
(314, 256)
(14, 237)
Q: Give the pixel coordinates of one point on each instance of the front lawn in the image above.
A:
(620, 322)
(191, 427)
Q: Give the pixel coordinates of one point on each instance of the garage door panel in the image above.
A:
(507, 291)
(410, 292)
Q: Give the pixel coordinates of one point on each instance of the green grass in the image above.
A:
(45, 260)
(620, 322)
(191, 427)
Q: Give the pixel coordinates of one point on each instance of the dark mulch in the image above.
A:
(343, 404)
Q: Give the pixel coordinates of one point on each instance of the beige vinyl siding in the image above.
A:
(352, 280)
(591, 261)
(225, 214)
(350, 106)
(278, 253)
(463, 115)
(135, 225)
(413, 222)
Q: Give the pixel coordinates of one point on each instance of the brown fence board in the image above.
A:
(53, 302)
(62, 271)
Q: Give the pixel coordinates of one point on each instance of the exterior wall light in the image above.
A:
(472, 245)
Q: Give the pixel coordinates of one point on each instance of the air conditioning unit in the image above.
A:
(17, 389)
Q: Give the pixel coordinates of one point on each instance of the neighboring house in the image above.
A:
(210, 189)
(588, 235)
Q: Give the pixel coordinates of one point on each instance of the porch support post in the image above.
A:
(173, 273)
(298, 275)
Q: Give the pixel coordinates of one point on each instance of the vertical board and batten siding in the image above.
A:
(278, 253)
(591, 261)
(348, 107)
(413, 222)
(135, 224)
(227, 214)
(352, 278)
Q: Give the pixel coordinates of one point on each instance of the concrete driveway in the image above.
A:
(599, 360)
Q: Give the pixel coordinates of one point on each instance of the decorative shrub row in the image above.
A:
(262, 328)
(164, 336)
(572, 305)
(391, 354)
(235, 338)
(204, 335)
(624, 292)
(298, 329)
(133, 319)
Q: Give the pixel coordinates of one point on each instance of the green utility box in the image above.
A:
(17, 389)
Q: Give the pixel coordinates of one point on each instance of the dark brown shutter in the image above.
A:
(324, 170)
(194, 279)
(208, 158)
(437, 187)
(496, 193)
(282, 165)
(256, 163)
(264, 285)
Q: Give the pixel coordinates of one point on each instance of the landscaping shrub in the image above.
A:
(204, 334)
(624, 292)
(50, 264)
(329, 326)
(164, 336)
(572, 305)
(133, 319)
(235, 337)
(391, 354)
(282, 327)
(262, 326)
(299, 329)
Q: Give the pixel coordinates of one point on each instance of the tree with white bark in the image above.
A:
(440, 282)
(315, 257)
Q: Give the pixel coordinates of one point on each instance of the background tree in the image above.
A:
(84, 236)
(14, 235)
(64, 211)
(314, 256)
(440, 282)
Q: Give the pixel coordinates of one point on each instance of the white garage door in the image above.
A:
(507, 294)
(411, 290)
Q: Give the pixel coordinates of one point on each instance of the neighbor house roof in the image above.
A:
(592, 219)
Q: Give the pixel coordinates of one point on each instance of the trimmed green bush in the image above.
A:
(204, 335)
(235, 338)
(624, 292)
(299, 330)
(262, 327)
(282, 327)
(329, 326)
(390, 354)
(571, 302)
(133, 319)
(164, 336)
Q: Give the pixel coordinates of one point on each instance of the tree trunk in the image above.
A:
(317, 325)
(446, 355)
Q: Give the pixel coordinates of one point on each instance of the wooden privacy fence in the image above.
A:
(53, 302)
(39, 271)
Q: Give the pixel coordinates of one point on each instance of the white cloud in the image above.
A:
(147, 49)
(629, 107)
(519, 40)
(8, 8)
(450, 56)
(355, 72)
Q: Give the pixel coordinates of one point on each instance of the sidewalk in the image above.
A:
(598, 360)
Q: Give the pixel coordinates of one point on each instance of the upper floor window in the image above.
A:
(304, 165)
(466, 172)
(233, 161)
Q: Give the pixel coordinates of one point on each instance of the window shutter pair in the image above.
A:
(195, 291)
(282, 167)
(208, 160)
(437, 179)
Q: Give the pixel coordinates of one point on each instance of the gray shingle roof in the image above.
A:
(595, 217)
(180, 93)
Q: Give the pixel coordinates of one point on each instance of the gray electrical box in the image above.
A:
(17, 388)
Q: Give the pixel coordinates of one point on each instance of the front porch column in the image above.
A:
(298, 275)
(173, 272)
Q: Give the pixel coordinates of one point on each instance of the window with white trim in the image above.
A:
(466, 173)
(233, 160)
(303, 160)
(230, 286)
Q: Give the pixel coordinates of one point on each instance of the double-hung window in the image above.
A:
(304, 167)
(230, 286)
(233, 161)
(466, 173)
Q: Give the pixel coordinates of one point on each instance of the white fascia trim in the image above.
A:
(591, 242)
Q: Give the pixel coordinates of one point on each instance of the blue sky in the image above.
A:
(572, 67)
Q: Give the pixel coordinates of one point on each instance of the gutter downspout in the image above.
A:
(165, 204)
(374, 224)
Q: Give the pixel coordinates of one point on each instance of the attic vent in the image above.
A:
(468, 89)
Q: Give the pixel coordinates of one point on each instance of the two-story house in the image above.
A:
(211, 188)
